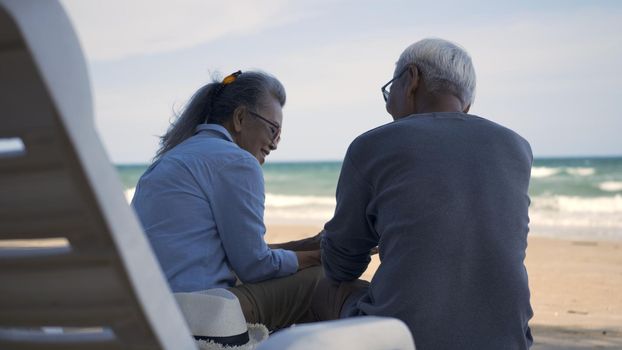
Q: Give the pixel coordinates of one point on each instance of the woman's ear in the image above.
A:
(238, 118)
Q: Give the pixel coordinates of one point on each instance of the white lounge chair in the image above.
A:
(56, 182)
(367, 332)
(94, 283)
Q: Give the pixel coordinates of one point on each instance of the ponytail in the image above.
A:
(215, 102)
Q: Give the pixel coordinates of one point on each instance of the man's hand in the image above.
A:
(308, 259)
(305, 244)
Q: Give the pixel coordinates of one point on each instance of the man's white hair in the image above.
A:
(446, 67)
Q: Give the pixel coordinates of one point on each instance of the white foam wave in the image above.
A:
(293, 216)
(286, 209)
(577, 217)
(275, 200)
(585, 221)
(286, 201)
(129, 194)
(550, 215)
(539, 172)
(572, 204)
(580, 171)
(610, 186)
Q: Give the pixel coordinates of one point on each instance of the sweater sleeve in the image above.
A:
(349, 237)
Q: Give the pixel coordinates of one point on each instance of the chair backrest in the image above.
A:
(73, 257)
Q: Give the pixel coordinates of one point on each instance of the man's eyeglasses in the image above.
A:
(386, 88)
(275, 128)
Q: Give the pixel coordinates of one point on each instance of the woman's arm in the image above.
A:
(237, 201)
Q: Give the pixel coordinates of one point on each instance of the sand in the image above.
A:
(576, 289)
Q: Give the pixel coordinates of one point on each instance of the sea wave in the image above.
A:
(574, 204)
(611, 186)
(541, 171)
(289, 201)
(300, 215)
(581, 171)
(275, 200)
(551, 215)
(567, 204)
(129, 194)
(586, 221)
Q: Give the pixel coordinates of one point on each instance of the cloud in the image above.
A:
(116, 29)
(540, 73)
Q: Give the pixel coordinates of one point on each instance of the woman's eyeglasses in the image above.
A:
(275, 128)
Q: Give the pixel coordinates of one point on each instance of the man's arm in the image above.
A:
(349, 238)
(307, 250)
(308, 258)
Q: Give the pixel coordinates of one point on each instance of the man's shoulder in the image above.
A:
(424, 123)
(378, 132)
(387, 130)
(502, 130)
(381, 134)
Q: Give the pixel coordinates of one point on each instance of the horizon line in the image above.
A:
(577, 157)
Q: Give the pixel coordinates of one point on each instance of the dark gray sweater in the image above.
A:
(444, 196)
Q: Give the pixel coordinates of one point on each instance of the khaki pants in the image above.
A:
(280, 302)
(333, 300)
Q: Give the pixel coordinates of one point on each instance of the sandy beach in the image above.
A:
(576, 289)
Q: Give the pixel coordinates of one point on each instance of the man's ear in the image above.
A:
(238, 117)
(413, 83)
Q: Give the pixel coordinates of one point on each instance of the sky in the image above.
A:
(547, 69)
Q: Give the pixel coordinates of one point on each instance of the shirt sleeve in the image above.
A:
(349, 238)
(238, 206)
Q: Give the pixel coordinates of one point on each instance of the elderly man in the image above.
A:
(443, 194)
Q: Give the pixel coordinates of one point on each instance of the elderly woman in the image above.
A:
(202, 202)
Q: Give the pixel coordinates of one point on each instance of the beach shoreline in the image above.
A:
(575, 288)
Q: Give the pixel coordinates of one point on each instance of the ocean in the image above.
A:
(575, 198)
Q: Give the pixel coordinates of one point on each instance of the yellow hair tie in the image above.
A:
(231, 77)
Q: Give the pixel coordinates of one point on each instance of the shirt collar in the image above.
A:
(215, 129)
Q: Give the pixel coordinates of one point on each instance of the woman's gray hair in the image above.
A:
(215, 102)
(445, 67)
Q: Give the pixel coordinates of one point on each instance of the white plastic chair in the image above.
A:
(96, 272)
(366, 332)
(76, 271)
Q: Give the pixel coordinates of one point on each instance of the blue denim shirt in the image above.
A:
(201, 205)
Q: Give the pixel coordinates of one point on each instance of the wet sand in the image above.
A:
(576, 289)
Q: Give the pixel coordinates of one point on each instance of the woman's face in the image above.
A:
(259, 131)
